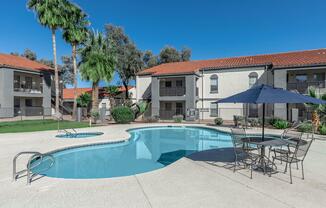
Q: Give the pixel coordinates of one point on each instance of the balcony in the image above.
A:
(28, 88)
(172, 91)
(302, 87)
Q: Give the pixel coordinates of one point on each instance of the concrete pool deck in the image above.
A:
(188, 182)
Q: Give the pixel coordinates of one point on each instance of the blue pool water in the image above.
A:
(79, 135)
(147, 149)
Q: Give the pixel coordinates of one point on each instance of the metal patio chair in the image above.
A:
(297, 156)
(242, 153)
(293, 137)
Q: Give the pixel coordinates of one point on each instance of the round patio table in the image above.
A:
(268, 141)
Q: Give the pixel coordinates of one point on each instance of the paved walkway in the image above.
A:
(197, 181)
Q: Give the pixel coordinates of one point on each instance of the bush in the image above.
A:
(322, 129)
(254, 122)
(238, 120)
(305, 127)
(122, 114)
(84, 100)
(281, 124)
(178, 118)
(218, 121)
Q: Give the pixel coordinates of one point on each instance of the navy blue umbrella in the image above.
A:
(264, 94)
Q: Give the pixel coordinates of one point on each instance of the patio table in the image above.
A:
(268, 141)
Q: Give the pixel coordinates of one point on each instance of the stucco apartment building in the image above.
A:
(25, 87)
(191, 88)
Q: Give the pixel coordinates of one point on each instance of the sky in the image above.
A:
(211, 28)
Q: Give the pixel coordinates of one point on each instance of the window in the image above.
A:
(168, 106)
(214, 109)
(301, 77)
(16, 81)
(253, 110)
(168, 84)
(28, 103)
(179, 83)
(253, 77)
(28, 82)
(214, 83)
(319, 77)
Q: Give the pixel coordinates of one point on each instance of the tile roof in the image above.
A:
(18, 62)
(278, 60)
(68, 93)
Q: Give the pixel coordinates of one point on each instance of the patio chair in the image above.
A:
(293, 136)
(242, 154)
(240, 133)
(297, 156)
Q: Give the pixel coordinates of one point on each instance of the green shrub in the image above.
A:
(122, 114)
(218, 121)
(254, 122)
(178, 118)
(84, 100)
(281, 124)
(322, 129)
(238, 120)
(305, 127)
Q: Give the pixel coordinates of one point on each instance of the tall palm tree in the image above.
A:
(316, 108)
(75, 33)
(96, 63)
(51, 14)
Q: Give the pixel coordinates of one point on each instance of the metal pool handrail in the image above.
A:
(29, 175)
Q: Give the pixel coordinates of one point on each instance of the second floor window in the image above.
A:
(301, 77)
(253, 78)
(28, 82)
(168, 84)
(214, 83)
(179, 83)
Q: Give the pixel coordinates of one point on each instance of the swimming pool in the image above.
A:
(79, 135)
(148, 149)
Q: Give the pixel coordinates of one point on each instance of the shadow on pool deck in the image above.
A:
(224, 155)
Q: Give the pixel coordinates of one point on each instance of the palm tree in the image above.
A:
(97, 63)
(316, 108)
(51, 14)
(75, 33)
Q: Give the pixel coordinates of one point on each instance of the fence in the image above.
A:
(25, 113)
(226, 114)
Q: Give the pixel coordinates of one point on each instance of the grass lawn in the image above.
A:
(38, 125)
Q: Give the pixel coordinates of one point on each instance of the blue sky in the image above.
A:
(211, 28)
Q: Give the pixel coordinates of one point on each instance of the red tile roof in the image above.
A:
(18, 62)
(68, 93)
(278, 60)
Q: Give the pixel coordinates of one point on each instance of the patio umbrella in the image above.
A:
(265, 94)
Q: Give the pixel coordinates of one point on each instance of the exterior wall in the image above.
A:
(230, 81)
(285, 78)
(143, 88)
(280, 80)
(7, 92)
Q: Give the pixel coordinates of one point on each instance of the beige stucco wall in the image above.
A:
(230, 82)
(142, 84)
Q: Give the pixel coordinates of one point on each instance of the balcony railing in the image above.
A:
(28, 88)
(302, 87)
(172, 91)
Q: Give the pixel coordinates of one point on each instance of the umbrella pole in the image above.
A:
(263, 133)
